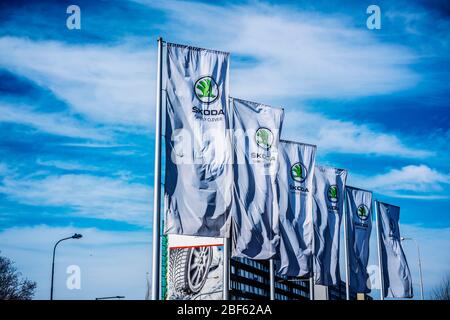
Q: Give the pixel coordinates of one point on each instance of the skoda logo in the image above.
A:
(333, 193)
(363, 212)
(299, 172)
(206, 89)
(264, 138)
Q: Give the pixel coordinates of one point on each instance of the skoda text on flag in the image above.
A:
(359, 227)
(328, 205)
(396, 273)
(199, 174)
(256, 130)
(294, 190)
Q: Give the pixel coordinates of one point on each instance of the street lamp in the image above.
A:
(419, 263)
(75, 236)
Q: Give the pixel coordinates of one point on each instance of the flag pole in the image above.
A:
(156, 253)
(347, 271)
(272, 279)
(226, 268)
(379, 251)
(311, 288)
(311, 279)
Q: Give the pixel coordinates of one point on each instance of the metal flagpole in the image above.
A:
(311, 279)
(311, 288)
(272, 279)
(379, 250)
(420, 269)
(347, 271)
(226, 268)
(157, 182)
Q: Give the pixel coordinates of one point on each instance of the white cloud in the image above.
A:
(419, 182)
(107, 84)
(344, 136)
(66, 165)
(112, 262)
(52, 123)
(296, 53)
(96, 145)
(86, 195)
(300, 55)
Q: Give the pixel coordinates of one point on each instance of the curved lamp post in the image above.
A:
(419, 263)
(75, 236)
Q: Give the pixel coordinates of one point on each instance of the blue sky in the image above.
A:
(77, 113)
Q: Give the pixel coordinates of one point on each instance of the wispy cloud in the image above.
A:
(293, 53)
(415, 182)
(280, 52)
(66, 165)
(84, 195)
(340, 136)
(106, 84)
(96, 145)
(52, 123)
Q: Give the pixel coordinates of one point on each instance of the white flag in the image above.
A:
(294, 190)
(328, 205)
(396, 273)
(359, 227)
(199, 174)
(256, 129)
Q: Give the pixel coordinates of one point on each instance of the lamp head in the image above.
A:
(77, 236)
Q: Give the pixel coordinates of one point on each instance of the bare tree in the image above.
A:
(12, 287)
(442, 292)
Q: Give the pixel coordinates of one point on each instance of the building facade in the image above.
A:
(250, 281)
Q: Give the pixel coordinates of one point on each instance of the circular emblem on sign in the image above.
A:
(264, 138)
(206, 89)
(333, 193)
(299, 172)
(363, 212)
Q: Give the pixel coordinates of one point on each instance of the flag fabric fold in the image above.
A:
(396, 274)
(328, 205)
(256, 131)
(198, 170)
(359, 227)
(294, 190)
